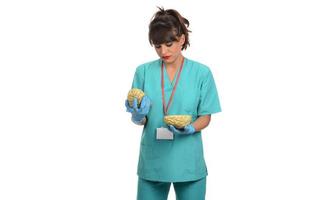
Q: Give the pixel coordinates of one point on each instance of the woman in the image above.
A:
(172, 85)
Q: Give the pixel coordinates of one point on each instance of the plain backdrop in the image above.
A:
(66, 67)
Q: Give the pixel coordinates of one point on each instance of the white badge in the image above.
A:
(164, 134)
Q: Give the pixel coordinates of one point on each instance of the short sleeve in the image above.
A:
(209, 101)
(138, 81)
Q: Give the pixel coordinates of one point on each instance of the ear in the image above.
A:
(182, 40)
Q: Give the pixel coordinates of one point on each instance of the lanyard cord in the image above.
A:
(165, 108)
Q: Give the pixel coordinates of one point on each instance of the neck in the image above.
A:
(175, 64)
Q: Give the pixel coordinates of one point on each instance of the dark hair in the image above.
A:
(167, 26)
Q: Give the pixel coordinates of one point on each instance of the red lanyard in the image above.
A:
(165, 108)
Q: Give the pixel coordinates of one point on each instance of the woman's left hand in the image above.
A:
(188, 129)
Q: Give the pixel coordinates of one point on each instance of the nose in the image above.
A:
(163, 49)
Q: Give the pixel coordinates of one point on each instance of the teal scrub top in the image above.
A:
(180, 159)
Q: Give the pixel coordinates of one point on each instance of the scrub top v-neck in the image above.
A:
(166, 76)
(180, 159)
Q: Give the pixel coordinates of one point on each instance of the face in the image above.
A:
(170, 51)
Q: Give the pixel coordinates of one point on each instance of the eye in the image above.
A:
(168, 44)
(157, 46)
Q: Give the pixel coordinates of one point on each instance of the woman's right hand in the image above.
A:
(139, 114)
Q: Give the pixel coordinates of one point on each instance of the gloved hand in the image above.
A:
(188, 129)
(138, 114)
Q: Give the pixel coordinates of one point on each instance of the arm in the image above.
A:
(201, 122)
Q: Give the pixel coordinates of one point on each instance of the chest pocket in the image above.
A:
(190, 101)
(190, 105)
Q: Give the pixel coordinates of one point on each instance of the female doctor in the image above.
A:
(173, 85)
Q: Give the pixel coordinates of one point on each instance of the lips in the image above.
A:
(166, 57)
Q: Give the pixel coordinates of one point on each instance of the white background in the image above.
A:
(66, 68)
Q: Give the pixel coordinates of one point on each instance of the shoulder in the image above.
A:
(147, 65)
(201, 68)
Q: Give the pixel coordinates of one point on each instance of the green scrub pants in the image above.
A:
(191, 190)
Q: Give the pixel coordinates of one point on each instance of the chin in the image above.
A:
(168, 61)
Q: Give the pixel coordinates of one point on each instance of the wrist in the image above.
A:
(191, 129)
(139, 121)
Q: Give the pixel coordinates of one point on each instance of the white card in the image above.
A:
(164, 134)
